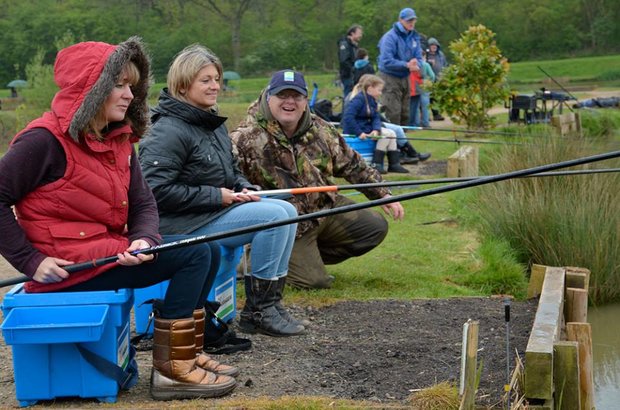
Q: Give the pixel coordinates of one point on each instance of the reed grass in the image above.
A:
(557, 221)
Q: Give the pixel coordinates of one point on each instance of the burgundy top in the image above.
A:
(40, 160)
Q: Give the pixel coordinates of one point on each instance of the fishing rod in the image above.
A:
(560, 85)
(334, 211)
(415, 128)
(458, 141)
(387, 184)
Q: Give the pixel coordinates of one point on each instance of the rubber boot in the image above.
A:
(282, 310)
(377, 161)
(394, 163)
(408, 148)
(406, 159)
(203, 360)
(175, 374)
(260, 314)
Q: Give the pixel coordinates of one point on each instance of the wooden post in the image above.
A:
(537, 276)
(577, 277)
(463, 163)
(469, 365)
(545, 332)
(566, 375)
(582, 334)
(576, 305)
(567, 124)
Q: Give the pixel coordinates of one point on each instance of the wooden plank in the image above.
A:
(566, 375)
(537, 276)
(545, 405)
(469, 365)
(582, 334)
(545, 332)
(576, 305)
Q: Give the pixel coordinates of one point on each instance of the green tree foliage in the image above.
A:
(303, 30)
(475, 81)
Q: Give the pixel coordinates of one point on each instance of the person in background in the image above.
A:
(437, 59)
(347, 50)
(399, 54)
(361, 66)
(361, 118)
(420, 97)
(282, 145)
(79, 195)
(188, 162)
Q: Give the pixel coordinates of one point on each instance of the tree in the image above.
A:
(231, 11)
(475, 81)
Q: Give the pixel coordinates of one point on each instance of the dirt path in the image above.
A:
(380, 351)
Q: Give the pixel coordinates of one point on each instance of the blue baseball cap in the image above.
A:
(407, 14)
(287, 80)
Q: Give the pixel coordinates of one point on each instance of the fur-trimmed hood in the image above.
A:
(86, 74)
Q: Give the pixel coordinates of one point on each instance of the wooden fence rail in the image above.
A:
(558, 357)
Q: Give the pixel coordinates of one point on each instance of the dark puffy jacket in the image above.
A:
(360, 115)
(186, 158)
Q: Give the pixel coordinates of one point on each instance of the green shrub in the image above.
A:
(558, 221)
(599, 123)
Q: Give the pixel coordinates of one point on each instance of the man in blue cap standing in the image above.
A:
(400, 52)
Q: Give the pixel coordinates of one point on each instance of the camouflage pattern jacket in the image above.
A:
(314, 156)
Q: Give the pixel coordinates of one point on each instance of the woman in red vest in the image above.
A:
(78, 193)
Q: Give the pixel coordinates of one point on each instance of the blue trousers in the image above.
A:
(271, 248)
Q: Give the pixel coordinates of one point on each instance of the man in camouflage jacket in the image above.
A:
(282, 145)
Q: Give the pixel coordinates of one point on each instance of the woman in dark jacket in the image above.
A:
(188, 162)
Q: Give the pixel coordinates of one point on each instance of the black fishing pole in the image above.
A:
(458, 141)
(466, 131)
(560, 85)
(461, 179)
(334, 211)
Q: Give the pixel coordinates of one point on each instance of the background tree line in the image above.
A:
(254, 37)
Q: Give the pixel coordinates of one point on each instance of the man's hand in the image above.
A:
(127, 259)
(395, 209)
(412, 65)
(50, 270)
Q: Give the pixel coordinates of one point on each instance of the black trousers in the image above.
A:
(191, 271)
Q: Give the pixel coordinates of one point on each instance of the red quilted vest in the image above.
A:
(90, 201)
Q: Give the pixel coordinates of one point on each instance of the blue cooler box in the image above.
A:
(43, 330)
(365, 148)
(224, 291)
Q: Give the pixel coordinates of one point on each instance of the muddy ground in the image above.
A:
(380, 351)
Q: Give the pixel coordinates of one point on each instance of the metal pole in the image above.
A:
(335, 211)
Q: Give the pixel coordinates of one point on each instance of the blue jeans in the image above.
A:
(271, 248)
(401, 139)
(417, 104)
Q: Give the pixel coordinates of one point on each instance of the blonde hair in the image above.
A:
(365, 82)
(131, 71)
(186, 66)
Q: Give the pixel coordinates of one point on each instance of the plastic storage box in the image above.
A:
(365, 148)
(224, 291)
(44, 329)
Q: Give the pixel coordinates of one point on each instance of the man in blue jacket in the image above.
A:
(400, 52)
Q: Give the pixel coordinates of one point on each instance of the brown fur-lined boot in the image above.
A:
(175, 374)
